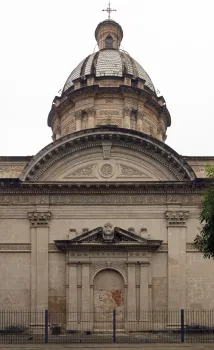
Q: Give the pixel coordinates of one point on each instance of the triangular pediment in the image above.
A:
(107, 235)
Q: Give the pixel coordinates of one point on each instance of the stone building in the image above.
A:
(104, 217)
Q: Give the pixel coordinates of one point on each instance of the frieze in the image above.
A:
(109, 83)
(11, 168)
(15, 247)
(138, 254)
(24, 199)
(109, 112)
(87, 197)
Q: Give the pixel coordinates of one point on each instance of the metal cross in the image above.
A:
(109, 10)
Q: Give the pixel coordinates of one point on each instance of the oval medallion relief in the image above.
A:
(106, 170)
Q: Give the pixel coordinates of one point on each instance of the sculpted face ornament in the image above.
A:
(108, 232)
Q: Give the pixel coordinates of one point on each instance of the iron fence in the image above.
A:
(142, 326)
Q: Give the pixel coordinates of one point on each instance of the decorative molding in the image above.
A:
(39, 219)
(52, 248)
(163, 248)
(12, 247)
(129, 171)
(143, 264)
(177, 218)
(191, 248)
(82, 172)
(109, 100)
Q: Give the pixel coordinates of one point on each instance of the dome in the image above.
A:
(109, 63)
(109, 87)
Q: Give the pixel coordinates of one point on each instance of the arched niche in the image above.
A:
(108, 296)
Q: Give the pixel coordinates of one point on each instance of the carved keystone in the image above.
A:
(39, 219)
(177, 218)
(106, 145)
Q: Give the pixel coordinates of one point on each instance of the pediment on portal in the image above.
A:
(108, 235)
(107, 155)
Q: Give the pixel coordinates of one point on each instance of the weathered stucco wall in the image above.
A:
(200, 282)
(56, 282)
(14, 230)
(159, 281)
(15, 281)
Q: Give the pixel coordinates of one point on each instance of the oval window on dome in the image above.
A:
(109, 42)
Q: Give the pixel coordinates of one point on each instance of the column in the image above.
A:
(127, 120)
(176, 226)
(131, 293)
(144, 290)
(39, 259)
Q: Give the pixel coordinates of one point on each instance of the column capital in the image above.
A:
(78, 114)
(143, 263)
(140, 115)
(131, 263)
(90, 111)
(39, 219)
(177, 218)
(127, 111)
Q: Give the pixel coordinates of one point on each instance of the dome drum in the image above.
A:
(106, 106)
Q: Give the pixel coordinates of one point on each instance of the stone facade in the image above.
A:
(104, 217)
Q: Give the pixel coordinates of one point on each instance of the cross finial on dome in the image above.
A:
(109, 10)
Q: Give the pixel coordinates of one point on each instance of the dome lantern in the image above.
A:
(109, 35)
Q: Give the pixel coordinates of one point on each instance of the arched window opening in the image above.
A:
(109, 42)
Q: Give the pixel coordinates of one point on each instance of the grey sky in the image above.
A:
(43, 40)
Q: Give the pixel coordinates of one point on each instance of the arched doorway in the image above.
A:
(108, 296)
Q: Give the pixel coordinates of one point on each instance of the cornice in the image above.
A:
(67, 246)
(35, 188)
(121, 137)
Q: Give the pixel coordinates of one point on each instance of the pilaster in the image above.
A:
(91, 117)
(73, 284)
(78, 116)
(140, 121)
(131, 291)
(39, 227)
(127, 118)
(86, 287)
(176, 227)
(144, 289)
